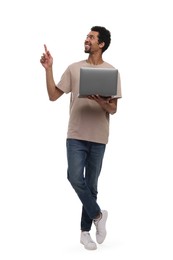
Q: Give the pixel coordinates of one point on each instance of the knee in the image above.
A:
(75, 181)
(71, 177)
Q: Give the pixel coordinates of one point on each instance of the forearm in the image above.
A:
(53, 92)
(107, 104)
(50, 83)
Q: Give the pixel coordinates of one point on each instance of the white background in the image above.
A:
(39, 211)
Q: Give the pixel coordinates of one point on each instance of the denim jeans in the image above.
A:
(84, 167)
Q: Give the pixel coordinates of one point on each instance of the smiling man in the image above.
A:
(88, 131)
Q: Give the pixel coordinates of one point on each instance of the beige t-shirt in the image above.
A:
(87, 120)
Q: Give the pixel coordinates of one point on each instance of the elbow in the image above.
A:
(51, 98)
(113, 111)
(112, 108)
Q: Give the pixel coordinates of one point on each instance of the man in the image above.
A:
(88, 131)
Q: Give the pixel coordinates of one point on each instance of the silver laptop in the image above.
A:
(98, 81)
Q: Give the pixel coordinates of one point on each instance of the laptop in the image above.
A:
(98, 81)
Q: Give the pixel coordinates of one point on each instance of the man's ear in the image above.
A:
(102, 44)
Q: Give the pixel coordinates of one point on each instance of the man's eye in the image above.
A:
(90, 36)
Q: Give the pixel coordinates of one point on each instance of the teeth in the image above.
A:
(87, 46)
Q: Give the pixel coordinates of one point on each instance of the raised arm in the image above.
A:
(47, 62)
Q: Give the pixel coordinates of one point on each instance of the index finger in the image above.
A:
(45, 47)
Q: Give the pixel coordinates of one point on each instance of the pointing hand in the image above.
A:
(46, 59)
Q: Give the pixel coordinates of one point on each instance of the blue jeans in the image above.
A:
(84, 167)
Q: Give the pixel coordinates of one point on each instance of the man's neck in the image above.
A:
(95, 59)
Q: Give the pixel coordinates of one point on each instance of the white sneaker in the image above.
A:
(101, 227)
(87, 241)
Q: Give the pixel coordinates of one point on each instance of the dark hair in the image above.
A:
(103, 36)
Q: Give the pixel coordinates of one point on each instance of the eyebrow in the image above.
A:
(91, 35)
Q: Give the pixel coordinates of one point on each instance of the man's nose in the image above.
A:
(87, 38)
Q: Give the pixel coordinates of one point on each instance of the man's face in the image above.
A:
(91, 43)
